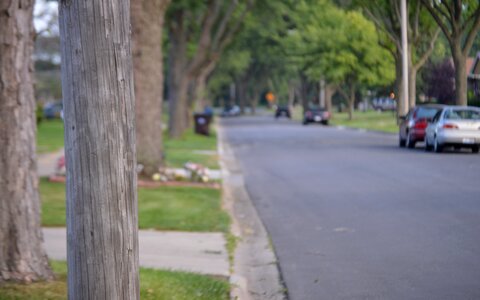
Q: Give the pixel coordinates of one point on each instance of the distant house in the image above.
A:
(473, 69)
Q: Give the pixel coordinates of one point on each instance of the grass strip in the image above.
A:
(154, 284)
(163, 208)
(182, 150)
(370, 120)
(49, 136)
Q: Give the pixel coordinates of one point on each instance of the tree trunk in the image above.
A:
(178, 81)
(351, 102)
(321, 93)
(201, 99)
(178, 107)
(412, 87)
(147, 29)
(254, 101)
(233, 94)
(22, 257)
(412, 79)
(241, 94)
(200, 94)
(329, 91)
(97, 86)
(399, 84)
(460, 62)
(178, 86)
(349, 96)
(291, 93)
(304, 92)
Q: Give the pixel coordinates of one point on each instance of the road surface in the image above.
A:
(352, 216)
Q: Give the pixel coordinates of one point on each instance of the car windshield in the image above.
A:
(427, 113)
(463, 114)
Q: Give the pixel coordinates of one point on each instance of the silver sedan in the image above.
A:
(457, 126)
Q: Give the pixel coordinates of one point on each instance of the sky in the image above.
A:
(45, 17)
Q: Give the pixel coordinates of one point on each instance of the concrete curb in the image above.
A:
(255, 273)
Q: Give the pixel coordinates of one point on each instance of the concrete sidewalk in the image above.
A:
(203, 253)
(47, 162)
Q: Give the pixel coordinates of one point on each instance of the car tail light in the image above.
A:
(450, 126)
(326, 115)
(308, 114)
(420, 124)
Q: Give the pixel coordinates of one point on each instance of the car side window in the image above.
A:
(437, 116)
(409, 115)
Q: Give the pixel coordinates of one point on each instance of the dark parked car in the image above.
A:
(316, 115)
(53, 110)
(282, 111)
(412, 126)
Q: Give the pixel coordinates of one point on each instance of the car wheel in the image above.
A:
(475, 149)
(436, 145)
(325, 123)
(305, 122)
(410, 142)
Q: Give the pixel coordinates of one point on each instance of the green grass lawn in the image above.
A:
(371, 120)
(180, 151)
(177, 151)
(154, 284)
(49, 136)
(164, 208)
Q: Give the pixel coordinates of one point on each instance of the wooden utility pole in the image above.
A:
(22, 257)
(403, 106)
(97, 87)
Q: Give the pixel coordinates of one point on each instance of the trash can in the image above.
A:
(202, 123)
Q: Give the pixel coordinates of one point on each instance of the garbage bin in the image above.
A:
(202, 123)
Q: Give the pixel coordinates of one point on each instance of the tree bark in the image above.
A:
(351, 102)
(178, 107)
(321, 93)
(460, 61)
(147, 28)
(178, 81)
(291, 94)
(22, 257)
(304, 92)
(329, 92)
(349, 95)
(254, 102)
(200, 94)
(398, 83)
(97, 86)
(412, 87)
(241, 94)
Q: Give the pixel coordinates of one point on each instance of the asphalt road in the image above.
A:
(352, 216)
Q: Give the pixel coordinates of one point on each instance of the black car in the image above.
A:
(282, 111)
(316, 115)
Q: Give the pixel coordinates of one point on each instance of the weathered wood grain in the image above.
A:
(97, 87)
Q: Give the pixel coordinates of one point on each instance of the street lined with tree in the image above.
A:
(138, 77)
